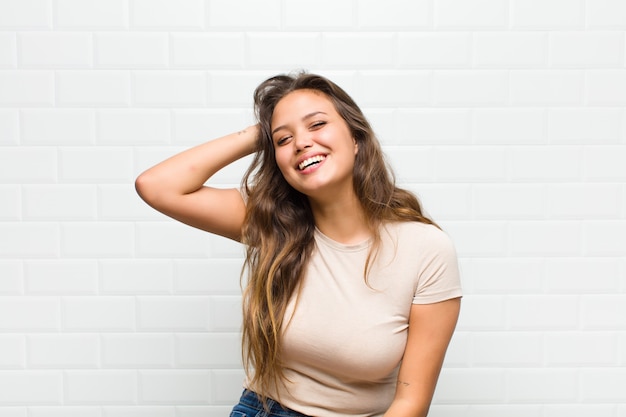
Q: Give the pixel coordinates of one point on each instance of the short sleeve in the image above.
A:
(439, 277)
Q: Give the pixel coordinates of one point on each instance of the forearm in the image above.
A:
(187, 171)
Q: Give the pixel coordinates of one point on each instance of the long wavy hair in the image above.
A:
(279, 225)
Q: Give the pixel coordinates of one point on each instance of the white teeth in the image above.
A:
(310, 161)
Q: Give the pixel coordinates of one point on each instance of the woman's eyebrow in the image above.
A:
(308, 116)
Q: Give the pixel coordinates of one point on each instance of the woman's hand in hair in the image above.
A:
(176, 186)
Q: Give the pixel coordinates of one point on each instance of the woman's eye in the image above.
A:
(317, 125)
(282, 140)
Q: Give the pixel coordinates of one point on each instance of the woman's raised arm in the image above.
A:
(176, 187)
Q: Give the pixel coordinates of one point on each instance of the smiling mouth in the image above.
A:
(311, 161)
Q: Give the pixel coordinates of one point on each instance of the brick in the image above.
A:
(507, 276)
(9, 127)
(137, 351)
(605, 163)
(102, 14)
(394, 14)
(433, 50)
(470, 88)
(606, 87)
(61, 277)
(547, 14)
(139, 411)
(470, 386)
(510, 50)
(172, 88)
(244, 14)
(545, 312)
(168, 14)
(213, 350)
(26, 88)
(188, 313)
(10, 202)
(25, 14)
(25, 240)
(507, 349)
(214, 276)
(234, 88)
(543, 385)
(101, 387)
(605, 238)
(29, 314)
(57, 127)
(208, 50)
(225, 313)
(174, 387)
(31, 388)
(493, 241)
(581, 275)
(192, 127)
(93, 239)
(469, 164)
(358, 51)
(445, 201)
(512, 201)
(546, 238)
(226, 385)
(134, 126)
(89, 165)
(59, 351)
(121, 202)
(131, 50)
(12, 273)
(12, 348)
(432, 127)
(584, 201)
(204, 411)
(94, 88)
(326, 15)
(536, 87)
(578, 410)
(8, 50)
(412, 164)
(268, 50)
(606, 14)
(119, 276)
(586, 125)
(483, 14)
(64, 411)
(509, 126)
(55, 50)
(602, 385)
(395, 89)
(482, 312)
(586, 50)
(170, 239)
(59, 202)
(545, 164)
(93, 314)
(581, 349)
(381, 121)
(225, 248)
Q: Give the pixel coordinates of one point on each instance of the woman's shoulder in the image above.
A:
(420, 235)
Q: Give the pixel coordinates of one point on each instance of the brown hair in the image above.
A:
(279, 226)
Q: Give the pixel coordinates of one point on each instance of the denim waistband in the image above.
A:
(251, 399)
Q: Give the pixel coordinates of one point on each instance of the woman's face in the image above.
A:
(314, 148)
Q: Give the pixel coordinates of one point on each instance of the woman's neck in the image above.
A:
(342, 220)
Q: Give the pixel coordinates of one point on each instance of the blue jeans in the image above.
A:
(251, 406)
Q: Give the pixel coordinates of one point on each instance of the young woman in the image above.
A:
(352, 294)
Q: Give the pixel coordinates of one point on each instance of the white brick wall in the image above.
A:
(507, 117)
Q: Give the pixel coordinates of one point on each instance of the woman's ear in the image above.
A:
(356, 146)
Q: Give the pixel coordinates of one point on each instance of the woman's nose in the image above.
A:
(303, 141)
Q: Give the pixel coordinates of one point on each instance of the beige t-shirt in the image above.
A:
(344, 343)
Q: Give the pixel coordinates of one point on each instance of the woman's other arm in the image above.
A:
(176, 187)
(430, 329)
